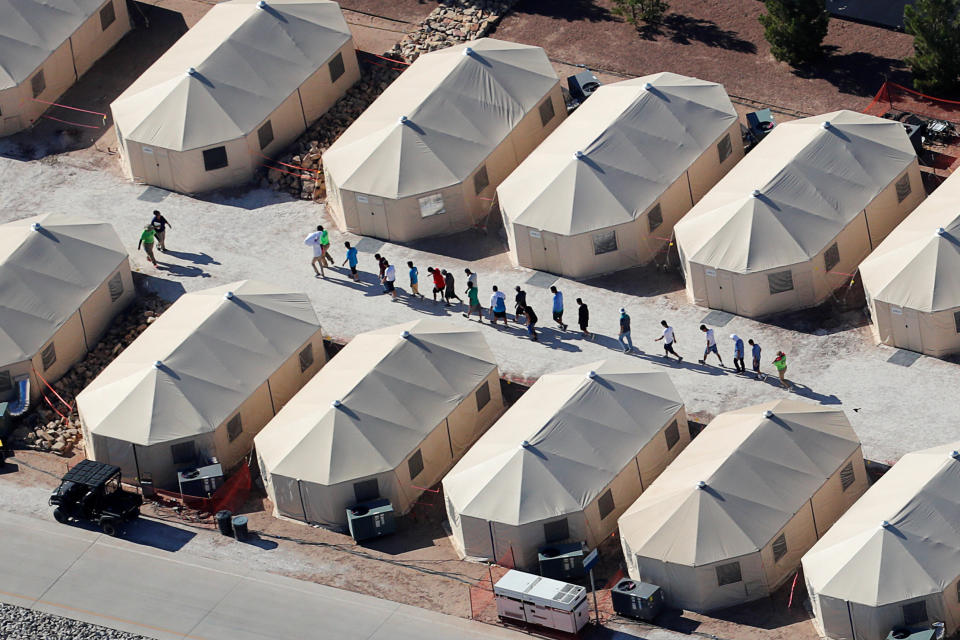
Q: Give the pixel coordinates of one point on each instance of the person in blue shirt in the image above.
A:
(414, 280)
(352, 260)
(558, 308)
(755, 352)
(624, 336)
(738, 353)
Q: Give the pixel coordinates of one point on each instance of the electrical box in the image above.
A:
(635, 599)
(561, 561)
(371, 519)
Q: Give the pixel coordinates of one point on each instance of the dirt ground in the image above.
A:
(718, 40)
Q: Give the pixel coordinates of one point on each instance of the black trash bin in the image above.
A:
(223, 522)
(240, 528)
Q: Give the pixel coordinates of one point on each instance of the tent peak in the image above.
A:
(768, 414)
(525, 444)
(826, 124)
(579, 155)
(756, 193)
(468, 51)
(955, 454)
(36, 226)
(336, 404)
(701, 484)
(405, 334)
(591, 374)
(886, 524)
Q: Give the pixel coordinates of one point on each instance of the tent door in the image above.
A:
(151, 169)
(727, 297)
(9, 125)
(373, 216)
(906, 328)
(543, 251)
(165, 179)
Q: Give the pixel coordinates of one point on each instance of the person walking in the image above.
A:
(498, 306)
(472, 277)
(531, 322)
(449, 291)
(583, 318)
(711, 345)
(755, 352)
(147, 238)
(352, 260)
(160, 224)
(558, 308)
(438, 282)
(624, 336)
(780, 362)
(473, 302)
(669, 339)
(325, 243)
(414, 280)
(738, 353)
(520, 301)
(313, 241)
(390, 281)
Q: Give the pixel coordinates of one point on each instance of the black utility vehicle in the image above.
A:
(91, 491)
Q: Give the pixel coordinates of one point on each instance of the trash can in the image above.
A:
(223, 522)
(240, 528)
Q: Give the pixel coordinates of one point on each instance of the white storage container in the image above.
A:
(536, 600)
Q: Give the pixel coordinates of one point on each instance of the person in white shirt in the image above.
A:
(389, 278)
(313, 240)
(669, 339)
(711, 345)
(472, 277)
(498, 306)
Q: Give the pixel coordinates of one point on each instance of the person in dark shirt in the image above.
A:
(625, 332)
(449, 291)
(160, 224)
(521, 301)
(583, 317)
(531, 322)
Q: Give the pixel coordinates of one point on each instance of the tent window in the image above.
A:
(6, 382)
(725, 148)
(115, 287)
(546, 111)
(108, 16)
(184, 453)
(604, 242)
(655, 217)
(831, 257)
(336, 67)
(556, 531)
(431, 205)
(49, 356)
(38, 83)
(605, 503)
(956, 320)
(903, 187)
(415, 464)
(483, 395)
(234, 427)
(480, 180)
(672, 434)
(914, 613)
(306, 358)
(728, 574)
(367, 490)
(847, 476)
(215, 158)
(780, 282)
(780, 547)
(265, 134)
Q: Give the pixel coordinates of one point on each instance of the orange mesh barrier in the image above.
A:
(894, 97)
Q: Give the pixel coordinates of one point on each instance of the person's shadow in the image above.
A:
(658, 359)
(195, 258)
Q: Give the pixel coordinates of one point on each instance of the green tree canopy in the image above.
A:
(795, 29)
(650, 11)
(935, 27)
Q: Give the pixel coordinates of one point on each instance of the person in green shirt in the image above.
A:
(473, 299)
(147, 238)
(780, 362)
(325, 246)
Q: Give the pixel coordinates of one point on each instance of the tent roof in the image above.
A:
(47, 274)
(393, 392)
(459, 107)
(31, 30)
(635, 144)
(811, 182)
(917, 554)
(916, 266)
(214, 352)
(758, 471)
(580, 432)
(248, 60)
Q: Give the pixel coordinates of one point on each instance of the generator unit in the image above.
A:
(561, 561)
(532, 599)
(634, 599)
(371, 519)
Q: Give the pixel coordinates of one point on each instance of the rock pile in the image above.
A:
(46, 430)
(19, 623)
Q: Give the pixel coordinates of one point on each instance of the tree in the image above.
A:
(935, 27)
(795, 29)
(650, 11)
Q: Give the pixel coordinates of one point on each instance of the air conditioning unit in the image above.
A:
(900, 633)
(635, 599)
(202, 481)
(371, 519)
(562, 561)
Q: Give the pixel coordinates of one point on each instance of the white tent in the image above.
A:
(45, 46)
(730, 518)
(790, 223)
(894, 558)
(426, 157)
(604, 190)
(62, 280)
(386, 418)
(243, 83)
(911, 280)
(565, 461)
(202, 380)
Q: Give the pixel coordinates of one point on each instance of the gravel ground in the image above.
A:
(18, 623)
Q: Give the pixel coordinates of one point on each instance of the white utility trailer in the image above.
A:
(537, 600)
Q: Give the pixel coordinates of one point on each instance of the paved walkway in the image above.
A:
(259, 234)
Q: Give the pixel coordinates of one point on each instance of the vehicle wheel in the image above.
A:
(60, 516)
(109, 527)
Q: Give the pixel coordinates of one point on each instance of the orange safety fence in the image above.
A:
(482, 604)
(230, 496)
(895, 97)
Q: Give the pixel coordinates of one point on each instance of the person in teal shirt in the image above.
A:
(352, 260)
(473, 300)
(325, 245)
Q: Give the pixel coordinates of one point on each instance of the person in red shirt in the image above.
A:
(438, 282)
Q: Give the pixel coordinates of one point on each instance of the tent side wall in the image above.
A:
(520, 545)
(319, 92)
(58, 76)
(831, 500)
(696, 588)
(707, 170)
(800, 534)
(884, 213)
(99, 309)
(531, 131)
(155, 460)
(184, 171)
(940, 332)
(871, 623)
(69, 347)
(91, 40)
(290, 377)
(655, 456)
(255, 412)
(934, 334)
(466, 423)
